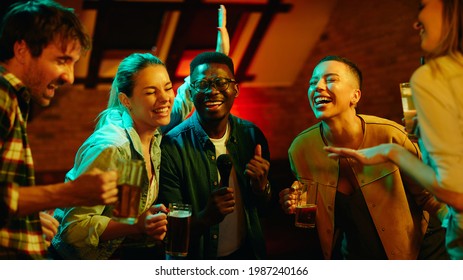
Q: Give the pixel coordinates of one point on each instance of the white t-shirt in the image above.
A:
(231, 229)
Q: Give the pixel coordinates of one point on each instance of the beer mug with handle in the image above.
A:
(126, 209)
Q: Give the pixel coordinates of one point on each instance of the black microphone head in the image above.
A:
(224, 164)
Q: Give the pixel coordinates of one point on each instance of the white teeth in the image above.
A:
(322, 99)
(213, 103)
(161, 110)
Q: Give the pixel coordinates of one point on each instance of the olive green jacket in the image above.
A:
(396, 205)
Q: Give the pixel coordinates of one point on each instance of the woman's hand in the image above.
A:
(223, 39)
(153, 222)
(369, 156)
(288, 198)
(49, 226)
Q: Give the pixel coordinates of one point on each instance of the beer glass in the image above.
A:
(306, 203)
(126, 209)
(178, 229)
(409, 109)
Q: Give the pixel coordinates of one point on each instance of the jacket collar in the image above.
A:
(127, 124)
(202, 135)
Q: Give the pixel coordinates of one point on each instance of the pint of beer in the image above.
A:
(409, 110)
(306, 203)
(178, 229)
(129, 188)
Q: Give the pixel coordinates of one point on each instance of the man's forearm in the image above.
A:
(37, 198)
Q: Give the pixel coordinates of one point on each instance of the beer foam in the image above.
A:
(180, 213)
(307, 206)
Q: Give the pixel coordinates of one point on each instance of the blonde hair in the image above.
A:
(124, 81)
(452, 37)
(452, 30)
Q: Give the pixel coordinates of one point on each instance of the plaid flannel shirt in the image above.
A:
(20, 237)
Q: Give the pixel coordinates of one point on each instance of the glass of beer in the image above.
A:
(409, 110)
(178, 229)
(306, 203)
(126, 209)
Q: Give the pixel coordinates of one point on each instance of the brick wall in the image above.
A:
(377, 35)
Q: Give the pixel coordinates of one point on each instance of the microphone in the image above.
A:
(224, 164)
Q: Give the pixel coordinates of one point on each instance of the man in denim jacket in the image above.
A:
(225, 221)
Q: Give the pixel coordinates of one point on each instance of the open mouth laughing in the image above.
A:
(162, 110)
(319, 101)
(213, 104)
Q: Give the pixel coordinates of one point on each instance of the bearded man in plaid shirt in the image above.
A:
(40, 41)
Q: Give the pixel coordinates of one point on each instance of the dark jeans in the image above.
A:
(433, 246)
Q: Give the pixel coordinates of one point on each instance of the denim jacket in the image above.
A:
(80, 228)
(189, 174)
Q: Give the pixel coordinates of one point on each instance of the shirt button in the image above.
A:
(383, 229)
(212, 157)
(214, 236)
(215, 183)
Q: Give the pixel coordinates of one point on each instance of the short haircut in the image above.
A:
(351, 65)
(212, 57)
